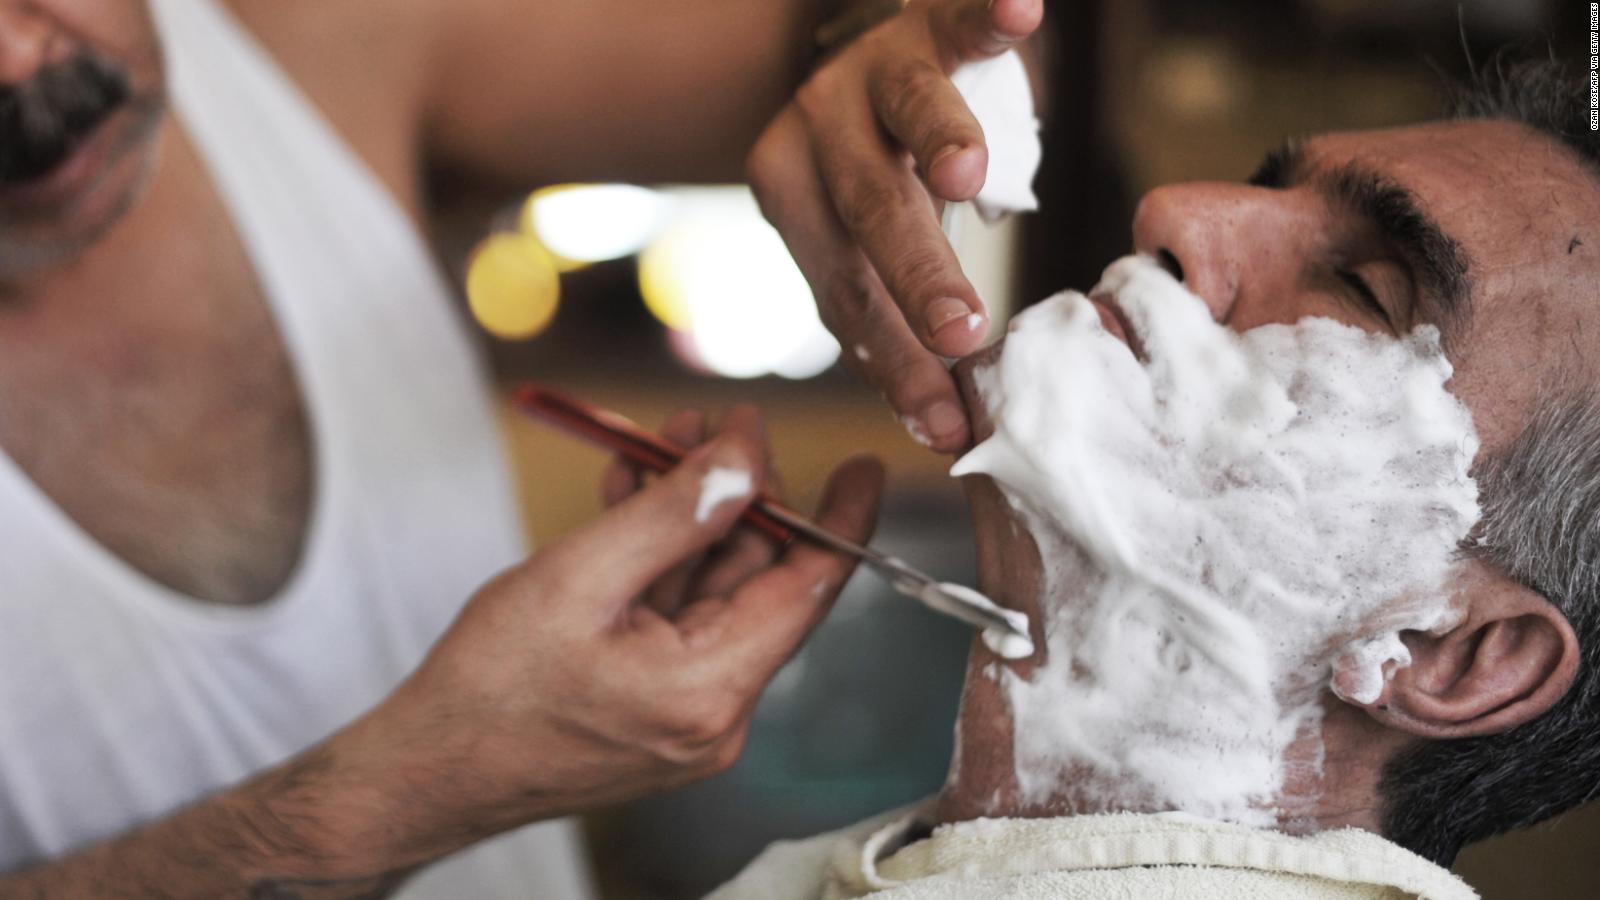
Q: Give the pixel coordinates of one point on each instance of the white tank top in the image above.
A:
(121, 699)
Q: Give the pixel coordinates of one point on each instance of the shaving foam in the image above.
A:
(1217, 526)
(719, 486)
(1006, 644)
(1000, 96)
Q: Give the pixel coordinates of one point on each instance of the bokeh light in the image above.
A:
(513, 288)
(588, 223)
(720, 273)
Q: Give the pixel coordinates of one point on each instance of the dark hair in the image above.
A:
(1540, 526)
(1547, 95)
(44, 120)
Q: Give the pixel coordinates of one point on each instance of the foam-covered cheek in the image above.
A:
(1217, 528)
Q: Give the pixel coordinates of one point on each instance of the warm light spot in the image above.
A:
(721, 273)
(663, 281)
(581, 224)
(512, 286)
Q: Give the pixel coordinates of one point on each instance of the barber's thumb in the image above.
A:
(678, 515)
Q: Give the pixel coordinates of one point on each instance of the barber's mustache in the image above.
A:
(43, 121)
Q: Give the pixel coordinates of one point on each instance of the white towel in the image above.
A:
(1108, 857)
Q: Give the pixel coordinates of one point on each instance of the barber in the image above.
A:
(182, 301)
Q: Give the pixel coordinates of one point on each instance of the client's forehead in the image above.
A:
(1524, 210)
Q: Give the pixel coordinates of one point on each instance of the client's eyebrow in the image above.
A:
(1437, 260)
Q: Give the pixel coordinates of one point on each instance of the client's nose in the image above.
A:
(1224, 239)
(24, 42)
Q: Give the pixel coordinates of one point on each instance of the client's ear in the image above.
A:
(1507, 662)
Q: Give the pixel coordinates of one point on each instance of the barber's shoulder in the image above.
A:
(362, 62)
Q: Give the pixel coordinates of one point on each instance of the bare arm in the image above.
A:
(624, 659)
(290, 833)
(543, 91)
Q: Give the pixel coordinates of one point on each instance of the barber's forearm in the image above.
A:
(617, 89)
(306, 829)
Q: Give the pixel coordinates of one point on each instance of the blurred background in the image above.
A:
(650, 299)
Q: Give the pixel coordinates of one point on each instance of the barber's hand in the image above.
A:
(624, 659)
(853, 173)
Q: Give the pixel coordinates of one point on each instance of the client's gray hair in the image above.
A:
(1541, 526)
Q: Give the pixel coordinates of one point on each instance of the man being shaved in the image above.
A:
(1302, 503)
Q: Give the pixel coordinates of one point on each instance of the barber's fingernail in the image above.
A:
(944, 420)
(949, 312)
(917, 430)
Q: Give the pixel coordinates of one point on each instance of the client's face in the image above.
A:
(81, 98)
(1470, 228)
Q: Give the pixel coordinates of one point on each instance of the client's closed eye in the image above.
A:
(1364, 294)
